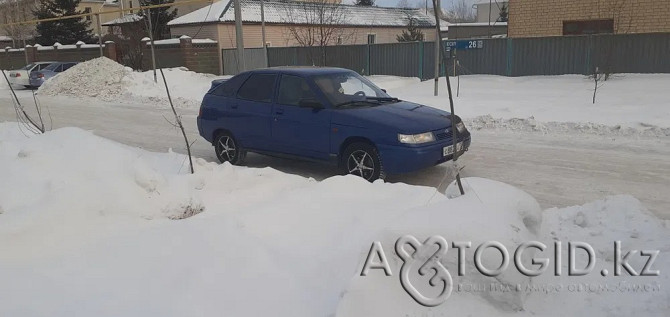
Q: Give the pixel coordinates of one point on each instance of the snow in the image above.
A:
(176, 41)
(95, 229)
(106, 80)
(636, 101)
(283, 12)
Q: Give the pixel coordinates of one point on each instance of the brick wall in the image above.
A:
(531, 18)
(199, 57)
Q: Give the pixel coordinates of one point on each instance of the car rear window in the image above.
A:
(259, 87)
(230, 86)
(52, 66)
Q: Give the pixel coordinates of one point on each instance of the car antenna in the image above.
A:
(438, 39)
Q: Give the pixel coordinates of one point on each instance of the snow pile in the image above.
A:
(106, 80)
(532, 125)
(101, 78)
(94, 231)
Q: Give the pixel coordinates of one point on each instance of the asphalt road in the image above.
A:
(558, 170)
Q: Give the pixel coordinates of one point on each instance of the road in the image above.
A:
(558, 170)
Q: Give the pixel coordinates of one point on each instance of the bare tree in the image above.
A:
(459, 12)
(316, 24)
(16, 11)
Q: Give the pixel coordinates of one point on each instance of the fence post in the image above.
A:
(367, 60)
(510, 57)
(420, 60)
(110, 50)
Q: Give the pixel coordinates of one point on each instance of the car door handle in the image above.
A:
(233, 107)
(279, 111)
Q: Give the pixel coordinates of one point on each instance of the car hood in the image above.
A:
(403, 116)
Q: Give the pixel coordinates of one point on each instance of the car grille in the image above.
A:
(443, 135)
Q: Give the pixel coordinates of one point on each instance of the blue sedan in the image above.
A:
(329, 115)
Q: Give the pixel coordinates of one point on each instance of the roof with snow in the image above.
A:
(293, 12)
(128, 18)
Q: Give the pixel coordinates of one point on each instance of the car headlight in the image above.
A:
(416, 138)
(460, 127)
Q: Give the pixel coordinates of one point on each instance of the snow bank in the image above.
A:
(106, 80)
(628, 100)
(93, 230)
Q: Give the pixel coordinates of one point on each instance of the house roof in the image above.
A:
(128, 18)
(290, 12)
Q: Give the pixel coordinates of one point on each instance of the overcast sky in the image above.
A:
(392, 3)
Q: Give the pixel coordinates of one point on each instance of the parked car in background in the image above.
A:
(38, 77)
(329, 115)
(21, 77)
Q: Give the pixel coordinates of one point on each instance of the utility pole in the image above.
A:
(151, 39)
(97, 19)
(438, 39)
(265, 47)
(239, 37)
(490, 8)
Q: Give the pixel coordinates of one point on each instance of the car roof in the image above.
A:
(302, 70)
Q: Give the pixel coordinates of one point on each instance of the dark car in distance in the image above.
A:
(330, 115)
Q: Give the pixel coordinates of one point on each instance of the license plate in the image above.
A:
(449, 150)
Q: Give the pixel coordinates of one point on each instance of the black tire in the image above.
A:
(362, 159)
(228, 150)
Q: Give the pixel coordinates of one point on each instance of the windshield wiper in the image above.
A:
(349, 103)
(387, 99)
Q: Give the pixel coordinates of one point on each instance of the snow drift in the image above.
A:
(91, 229)
(106, 80)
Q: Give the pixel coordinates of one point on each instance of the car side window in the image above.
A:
(59, 68)
(67, 66)
(230, 87)
(259, 87)
(293, 89)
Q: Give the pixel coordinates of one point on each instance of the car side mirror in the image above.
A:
(310, 103)
(384, 90)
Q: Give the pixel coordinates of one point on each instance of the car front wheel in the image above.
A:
(227, 149)
(362, 159)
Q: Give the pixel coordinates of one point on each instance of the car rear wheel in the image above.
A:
(362, 159)
(227, 149)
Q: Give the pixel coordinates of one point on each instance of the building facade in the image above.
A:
(290, 23)
(533, 18)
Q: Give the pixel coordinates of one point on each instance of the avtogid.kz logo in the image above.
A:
(429, 283)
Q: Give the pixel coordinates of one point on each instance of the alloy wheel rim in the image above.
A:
(226, 148)
(361, 163)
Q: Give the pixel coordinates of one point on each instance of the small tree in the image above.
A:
(67, 31)
(368, 3)
(504, 13)
(159, 17)
(460, 11)
(412, 34)
(17, 11)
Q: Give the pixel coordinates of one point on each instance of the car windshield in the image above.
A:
(350, 88)
(27, 67)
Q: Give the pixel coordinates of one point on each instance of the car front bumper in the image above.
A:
(399, 159)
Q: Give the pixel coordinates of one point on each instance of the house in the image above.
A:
(475, 30)
(293, 23)
(532, 18)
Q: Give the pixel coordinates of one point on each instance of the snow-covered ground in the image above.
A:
(94, 227)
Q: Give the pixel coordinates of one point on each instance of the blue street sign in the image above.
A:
(464, 44)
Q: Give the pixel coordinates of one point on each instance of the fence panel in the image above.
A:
(549, 56)
(491, 59)
(399, 59)
(254, 58)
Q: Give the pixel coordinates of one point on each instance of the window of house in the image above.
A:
(259, 87)
(87, 10)
(588, 27)
(130, 5)
(372, 38)
(339, 40)
(293, 89)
